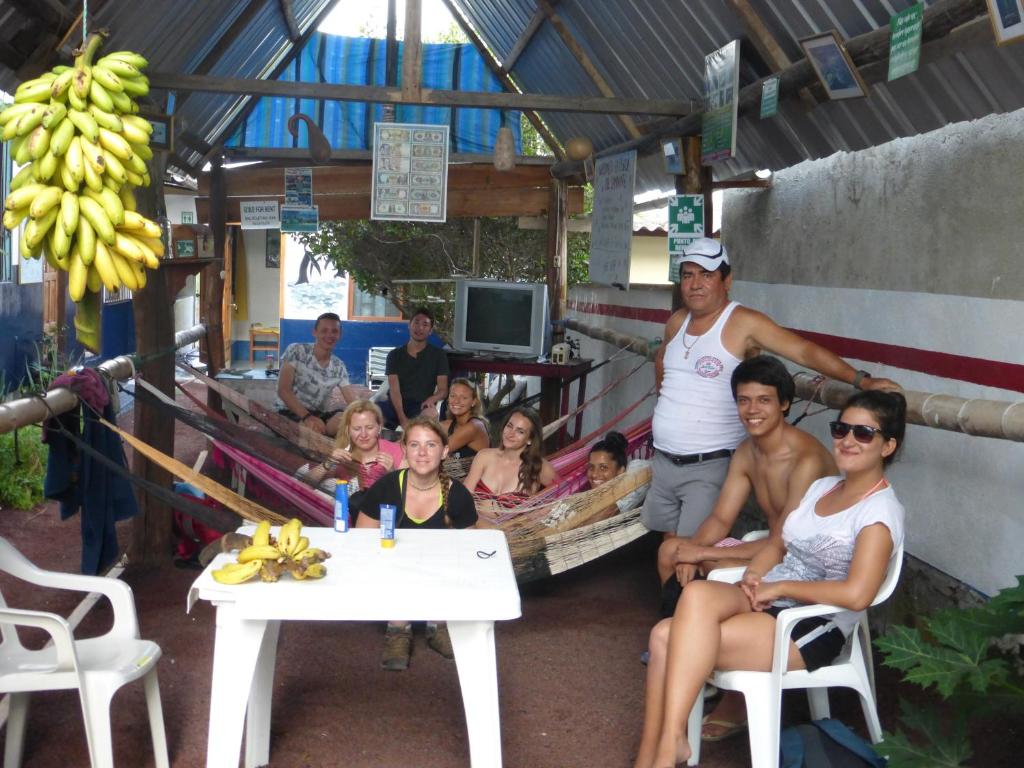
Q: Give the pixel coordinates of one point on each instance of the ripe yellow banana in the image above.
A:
(104, 265)
(127, 246)
(100, 96)
(59, 246)
(111, 203)
(53, 114)
(44, 200)
(21, 178)
(119, 67)
(261, 536)
(60, 141)
(75, 101)
(28, 121)
(140, 274)
(95, 215)
(93, 282)
(155, 244)
(106, 78)
(37, 229)
(124, 272)
(74, 159)
(255, 552)
(13, 218)
(141, 150)
(11, 112)
(132, 131)
(69, 212)
(61, 83)
(78, 276)
(131, 57)
(67, 178)
(136, 180)
(140, 123)
(115, 144)
(86, 239)
(20, 151)
(85, 123)
(45, 167)
(81, 82)
(23, 197)
(301, 544)
(93, 180)
(37, 90)
(136, 164)
(242, 572)
(106, 120)
(38, 142)
(114, 168)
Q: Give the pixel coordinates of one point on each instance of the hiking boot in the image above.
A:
(397, 648)
(440, 641)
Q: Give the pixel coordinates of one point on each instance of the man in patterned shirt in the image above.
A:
(313, 387)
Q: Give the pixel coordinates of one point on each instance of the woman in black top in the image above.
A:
(466, 425)
(425, 497)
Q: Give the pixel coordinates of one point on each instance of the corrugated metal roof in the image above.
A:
(643, 48)
(656, 48)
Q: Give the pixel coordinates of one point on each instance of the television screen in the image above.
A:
(499, 316)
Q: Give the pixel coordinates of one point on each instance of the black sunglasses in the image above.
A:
(862, 433)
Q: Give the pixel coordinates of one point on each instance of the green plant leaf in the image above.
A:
(954, 629)
(927, 664)
(937, 744)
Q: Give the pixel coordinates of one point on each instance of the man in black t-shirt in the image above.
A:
(417, 374)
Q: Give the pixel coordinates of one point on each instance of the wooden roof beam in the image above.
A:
(581, 56)
(412, 56)
(428, 96)
(523, 40)
(504, 79)
(940, 19)
(289, 20)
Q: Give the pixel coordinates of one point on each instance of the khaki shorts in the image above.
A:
(681, 497)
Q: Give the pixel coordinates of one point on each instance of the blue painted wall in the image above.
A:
(356, 338)
(21, 328)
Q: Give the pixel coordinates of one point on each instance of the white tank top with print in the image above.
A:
(695, 412)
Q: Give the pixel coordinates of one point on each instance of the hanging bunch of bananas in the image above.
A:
(83, 149)
(269, 558)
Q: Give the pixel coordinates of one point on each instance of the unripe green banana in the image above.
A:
(123, 103)
(11, 112)
(77, 102)
(136, 87)
(59, 87)
(21, 178)
(127, 198)
(28, 122)
(130, 56)
(93, 180)
(37, 90)
(70, 183)
(141, 151)
(140, 123)
(119, 67)
(137, 165)
(20, 151)
(132, 132)
(93, 155)
(95, 215)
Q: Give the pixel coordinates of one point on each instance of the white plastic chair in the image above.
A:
(97, 666)
(763, 690)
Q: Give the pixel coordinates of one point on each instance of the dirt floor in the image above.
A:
(571, 684)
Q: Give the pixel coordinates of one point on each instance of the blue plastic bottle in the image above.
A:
(341, 518)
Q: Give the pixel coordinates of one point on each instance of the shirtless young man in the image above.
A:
(778, 462)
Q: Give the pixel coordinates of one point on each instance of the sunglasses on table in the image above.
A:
(862, 433)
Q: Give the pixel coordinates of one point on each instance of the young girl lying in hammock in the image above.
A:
(511, 473)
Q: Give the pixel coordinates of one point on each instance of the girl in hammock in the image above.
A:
(359, 442)
(425, 497)
(834, 548)
(516, 470)
(465, 425)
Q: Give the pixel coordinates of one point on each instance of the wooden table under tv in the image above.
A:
(555, 381)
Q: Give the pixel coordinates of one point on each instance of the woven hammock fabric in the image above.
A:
(361, 61)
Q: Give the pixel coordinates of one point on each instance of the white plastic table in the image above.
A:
(462, 577)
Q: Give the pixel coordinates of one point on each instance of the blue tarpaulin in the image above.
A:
(361, 61)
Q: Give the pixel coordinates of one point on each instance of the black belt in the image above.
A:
(696, 458)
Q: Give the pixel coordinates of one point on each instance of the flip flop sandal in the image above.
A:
(731, 729)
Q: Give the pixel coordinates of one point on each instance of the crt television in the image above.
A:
(501, 318)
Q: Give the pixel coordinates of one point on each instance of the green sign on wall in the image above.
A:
(905, 41)
(721, 94)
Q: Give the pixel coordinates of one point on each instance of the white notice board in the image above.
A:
(611, 230)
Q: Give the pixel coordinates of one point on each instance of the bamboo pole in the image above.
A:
(34, 410)
(975, 416)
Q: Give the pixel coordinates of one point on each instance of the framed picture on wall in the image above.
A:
(185, 249)
(834, 67)
(273, 249)
(1007, 20)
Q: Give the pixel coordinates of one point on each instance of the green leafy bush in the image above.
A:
(972, 657)
(22, 470)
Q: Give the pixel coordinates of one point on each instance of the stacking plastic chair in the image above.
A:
(97, 666)
(763, 690)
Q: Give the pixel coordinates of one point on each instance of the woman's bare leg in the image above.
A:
(654, 695)
(693, 647)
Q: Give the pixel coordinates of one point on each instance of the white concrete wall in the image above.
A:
(916, 244)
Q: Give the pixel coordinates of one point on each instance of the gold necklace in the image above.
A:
(425, 487)
(688, 347)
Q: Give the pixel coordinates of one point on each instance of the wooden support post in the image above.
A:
(212, 282)
(391, 60)
(557, 263)
(412, 57)
(696, 179)
(153, 308)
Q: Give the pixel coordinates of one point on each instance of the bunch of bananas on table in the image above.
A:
(83, 149)
(269, 559)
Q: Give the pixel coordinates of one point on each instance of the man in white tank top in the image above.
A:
(696, 427)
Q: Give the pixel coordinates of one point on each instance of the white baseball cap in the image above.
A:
(709, 254)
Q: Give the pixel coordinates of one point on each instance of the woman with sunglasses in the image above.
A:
(834, 548)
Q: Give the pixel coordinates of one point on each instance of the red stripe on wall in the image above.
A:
(988, 373)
